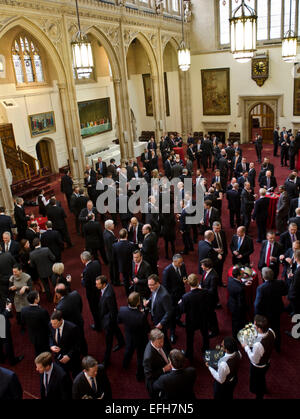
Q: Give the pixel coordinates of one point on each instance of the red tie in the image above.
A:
(204, 276)
(268, 256)
(136, 269)
(207, 217)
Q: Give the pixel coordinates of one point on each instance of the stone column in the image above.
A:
(6, 198)
(120, 119)
(160, 60)
(156, 98)
(185, 102)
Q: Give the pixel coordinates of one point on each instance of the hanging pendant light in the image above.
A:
(289, 42)
(243, 32)
(82, 52)
(184, 54)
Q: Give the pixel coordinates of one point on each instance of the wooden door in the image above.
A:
(262, 121)
(7, 135)
(43, 155)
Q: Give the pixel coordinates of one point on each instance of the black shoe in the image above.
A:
(212, 335)
(118, 347)
(173, 339)
(17, 360)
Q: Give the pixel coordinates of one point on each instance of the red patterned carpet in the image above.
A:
(283, 377)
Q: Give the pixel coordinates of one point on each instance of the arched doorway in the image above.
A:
(44, 156)
(261, 121)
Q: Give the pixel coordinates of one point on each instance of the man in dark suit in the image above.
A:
(209, 282)
(195, 304)
(269, 254)
(141, 270)
(236, 160)
(6, 223)
(122, 256)
(207, 152)
(294, 204)
(6, 342)
(284, 149)
(93, 235)
(260, 214)
(101, 167)
(286, 239)
(252, 175)
(55, 383)
(32, 232)
(52, 239)
(293, 150)
(241, 247)
(149, 247)
(205, 249)
(179, 383)
(64, 343)
(112, 169)
(135, 234)
(276, 137)
(294, 288)
(296, 219)
(66, 186)
(42, 259)
(146, 159)
(90, 181)
(89, 209)
(20, 218)
(185, 229)
(268, 181)
(10, 386)
(268, 301)
(7, 261)
(220, 247)
(282, 210)
(247, 205)
(168, 167)
(258, 142)
(36, 320)
(160, 306)
(79, 204)
(234, 205)
(155, 360)
(211, 215)
(108, 317)
(92, 382)
(241, 180)
(136, 332)
(237, 301)
(242, 167)
(91, 271)
(291, 187)
(9, 245)
(58, 217)
(109, 239)
(173, 279)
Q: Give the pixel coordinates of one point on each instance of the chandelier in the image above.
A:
(289, 42)
(82, 52)
(184, 54)
(243, 32)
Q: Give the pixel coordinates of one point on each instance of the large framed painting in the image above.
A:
(41, 123)
(216, 91)
(297, 96)
(95, 117)
(148, 94)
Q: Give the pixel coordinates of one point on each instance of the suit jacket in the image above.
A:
(268, 301)
(205, 250)
(122, 255)
(84, 213)
(246, 249)
(294, 203)
(211, 284)
(42, 260)
(52, 240)
(57, 215)
(7, 261)
(13, 249)
(108, 308)
(177, 384)
(69, 342)
(234, 200)
(103, 169)
(283, 205)
(10, 387)
(295, 220)
(276, 252)
(224, 243)
(149, 249)
(294, 291)
(214, 216)
(261, 207)
(66, 185)
(135, 325)
(143, 273)
(36, 320)
(239, 168)
(236, 297)
(195, 304)
(168, 168)
(273, 182)
(109, 240)
(59, 386)
(89, 275)
(71, 307)
(251, 177)
(173, 282)
(140, 236)
(80, 204)
(286, 241)
(20, 218)
(31, 235)
(6, 224)
(153, 364)
(161, 310)
(93, 234)
(82, 387)
(291, 189)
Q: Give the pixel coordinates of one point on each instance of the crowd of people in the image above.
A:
(31, 264)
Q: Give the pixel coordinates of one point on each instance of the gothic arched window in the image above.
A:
(27, 60)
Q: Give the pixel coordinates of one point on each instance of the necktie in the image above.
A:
(239, 243)
(293, 237)
(235, 163)
(134, 235)
(136, 269)
(207, 217)
(6, 247)
(178, 272)
(268, 255)
(204, 276)
(58, 337)
(268, 183)
(46, 382)
(162, 352)
(93, 384)
(219, 241)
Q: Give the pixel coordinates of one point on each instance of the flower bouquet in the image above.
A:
(248, 335)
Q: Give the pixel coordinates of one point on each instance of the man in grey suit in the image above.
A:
(282, 210)
(42, 259)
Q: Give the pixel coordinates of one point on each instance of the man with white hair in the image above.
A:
(260, 214)
(109, 239)
(9, 245)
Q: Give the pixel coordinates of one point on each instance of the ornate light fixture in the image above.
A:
(243, 32)
(184, 54)
(82, 52)
(289, 42)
